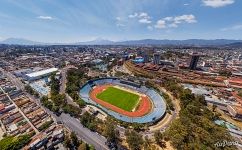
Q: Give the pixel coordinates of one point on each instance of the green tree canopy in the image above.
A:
(134, 140)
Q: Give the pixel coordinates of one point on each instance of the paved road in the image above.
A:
(84, 133)
(72, 123)
(63, 81)
(14, 80)
(63, 78)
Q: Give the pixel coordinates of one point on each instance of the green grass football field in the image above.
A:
(120, 98)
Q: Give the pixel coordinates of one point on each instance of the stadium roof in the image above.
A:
(42, 72)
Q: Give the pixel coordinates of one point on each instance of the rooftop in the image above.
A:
(42, 72)
(238, 109)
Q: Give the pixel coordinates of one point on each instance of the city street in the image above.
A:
(71, 123)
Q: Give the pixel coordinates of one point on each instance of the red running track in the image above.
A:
(143, 108)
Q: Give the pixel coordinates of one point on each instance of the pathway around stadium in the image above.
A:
(167, 120)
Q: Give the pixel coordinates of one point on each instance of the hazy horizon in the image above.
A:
(96, 39)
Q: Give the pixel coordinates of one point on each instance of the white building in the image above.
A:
(40, 74)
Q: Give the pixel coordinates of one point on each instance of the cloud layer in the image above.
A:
(45, 17)
(143, 17)
(235, 27)
(167, 22)
(217, 3)
(173, 22)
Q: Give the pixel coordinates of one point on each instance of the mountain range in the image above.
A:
(99, 41)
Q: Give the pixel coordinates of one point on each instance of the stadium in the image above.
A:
(124, 100)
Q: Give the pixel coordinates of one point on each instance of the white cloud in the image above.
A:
(118, 18)
(186, 4)
(185, 18)
(120, 25)
(45, 17)
(143, 17)
(168, 18)
(120, 22)
(133, 15)
(172, 22)
(160, 24)
(173, 25)
(235, 27)
(166, 22)
(145, 21)
(217, 3)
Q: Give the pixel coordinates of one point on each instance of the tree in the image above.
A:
(36, 94)
(134, 140)
(74, 139)
(45, 125)
(137, 127)
(44, 98)
(168, 102)
(55, 108)
(83, 146)
(147, 143)
(45, 102)
(31, 91)
(240, 93)
(214, 107)
(88, 121)
(91, 147)
(14, 143)
(72, 110)
(159, 139)
(58, 99)
(74, 78)
(67, 142)
(81, 102)
(195, 127)
(110, 132)
(54, 85)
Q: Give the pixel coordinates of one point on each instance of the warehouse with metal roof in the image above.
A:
(40, 74)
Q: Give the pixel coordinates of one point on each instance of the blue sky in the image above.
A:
(84, 20)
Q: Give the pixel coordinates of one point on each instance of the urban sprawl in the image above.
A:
(120, 97)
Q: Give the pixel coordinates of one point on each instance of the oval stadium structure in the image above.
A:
(124, 100)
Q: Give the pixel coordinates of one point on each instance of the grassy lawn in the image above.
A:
(120, 98)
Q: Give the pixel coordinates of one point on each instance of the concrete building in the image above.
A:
(120, 62)
(146, 57)
(240, 57)
(193, 62)
(235, 111)
(96, 61)
(138, 60)
(156, 59)
(40, 74)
